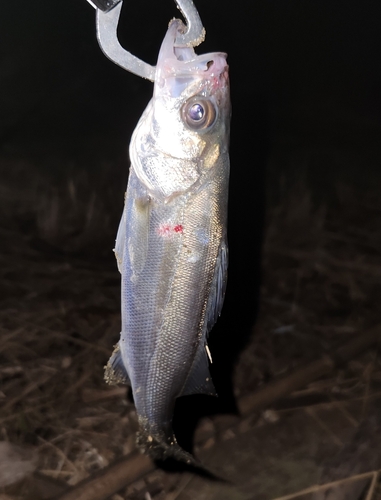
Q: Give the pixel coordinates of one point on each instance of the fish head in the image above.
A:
(191, 98)
(185, 128)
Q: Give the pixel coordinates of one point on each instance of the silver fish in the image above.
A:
(171, 245)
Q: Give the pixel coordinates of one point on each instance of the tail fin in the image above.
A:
(160, 445)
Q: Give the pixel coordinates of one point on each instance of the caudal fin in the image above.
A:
(161, 444)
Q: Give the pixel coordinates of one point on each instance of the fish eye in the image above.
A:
(198, 113)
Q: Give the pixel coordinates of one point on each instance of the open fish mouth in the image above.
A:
(177, 67)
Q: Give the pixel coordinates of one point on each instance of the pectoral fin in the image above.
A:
(138, 235)
(136, 214)
(120, 241)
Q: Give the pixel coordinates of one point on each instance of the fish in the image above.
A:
(171, 246)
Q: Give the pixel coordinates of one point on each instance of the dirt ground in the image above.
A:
(59, 318)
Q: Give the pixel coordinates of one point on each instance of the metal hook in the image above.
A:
(195, 33)
(108, 12)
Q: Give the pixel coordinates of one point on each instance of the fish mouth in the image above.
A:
(182, 63)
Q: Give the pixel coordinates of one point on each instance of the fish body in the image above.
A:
(171, 246)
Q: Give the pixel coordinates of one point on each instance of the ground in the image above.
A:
(59, 318)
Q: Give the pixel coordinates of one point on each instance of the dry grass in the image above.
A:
(59, 318)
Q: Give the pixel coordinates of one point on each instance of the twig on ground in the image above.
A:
(373, 485)
(111, 479)
(317, 488)
(122, 473)
(303, 376)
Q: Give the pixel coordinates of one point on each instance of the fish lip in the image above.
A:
(183, 62)
(198, 66)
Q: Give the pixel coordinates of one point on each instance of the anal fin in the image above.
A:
(115, 371)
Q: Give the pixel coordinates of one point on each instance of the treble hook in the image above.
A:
(108, 13)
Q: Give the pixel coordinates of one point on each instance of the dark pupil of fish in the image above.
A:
(196, 112)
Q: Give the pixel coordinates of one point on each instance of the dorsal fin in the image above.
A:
(115, 371)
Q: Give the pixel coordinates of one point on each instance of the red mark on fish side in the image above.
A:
(167, 230)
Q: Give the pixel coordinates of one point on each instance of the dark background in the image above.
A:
(305, 81)
(305, 76)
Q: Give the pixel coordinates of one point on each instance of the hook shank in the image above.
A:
(107, 24)
(195, 33)
(104, 5)
(108, 12)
